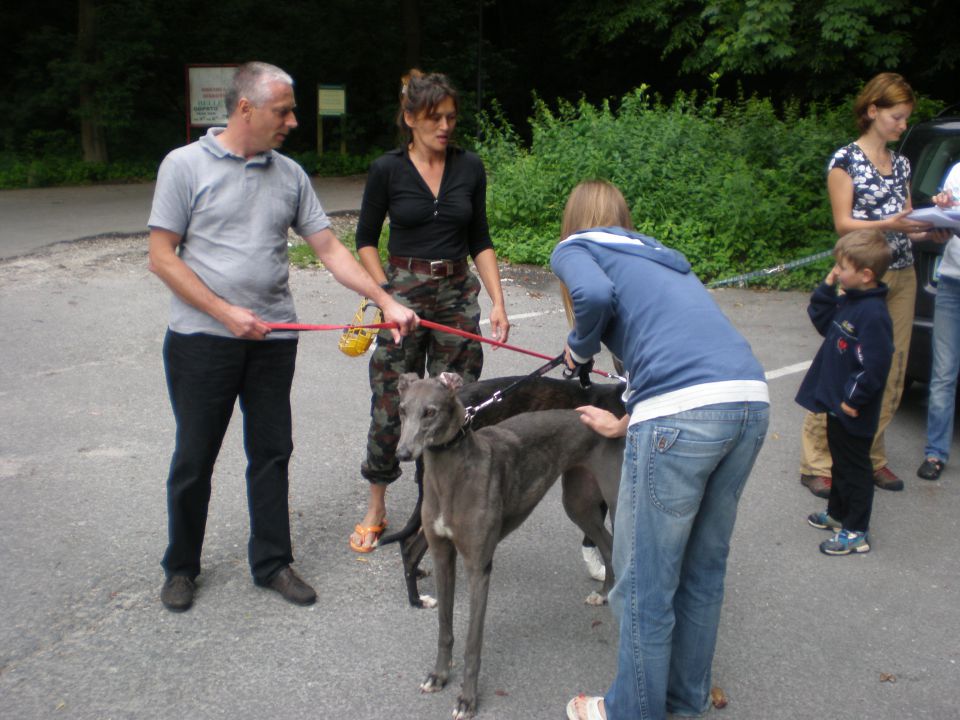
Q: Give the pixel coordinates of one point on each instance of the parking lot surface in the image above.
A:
(85, 438)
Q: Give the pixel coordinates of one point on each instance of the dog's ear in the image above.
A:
(451, 381)
(405, 381)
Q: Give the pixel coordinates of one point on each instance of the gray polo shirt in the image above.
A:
(233, 215)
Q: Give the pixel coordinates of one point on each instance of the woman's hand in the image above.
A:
(499, 323)
(937, 235)
(603, 422)
(900, 223)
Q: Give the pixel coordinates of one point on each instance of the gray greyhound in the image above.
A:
(478, 486)
(515, 395)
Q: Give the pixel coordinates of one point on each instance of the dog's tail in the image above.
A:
(411, 528)
(414, 523)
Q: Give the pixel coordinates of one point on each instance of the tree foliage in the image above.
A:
(127, 76)
(816, 45)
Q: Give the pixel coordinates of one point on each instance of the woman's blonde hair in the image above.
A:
(884, 90)
(592, 203)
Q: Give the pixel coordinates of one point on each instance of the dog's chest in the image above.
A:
(440, 527)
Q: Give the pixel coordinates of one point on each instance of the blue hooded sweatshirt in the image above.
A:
(639, 299)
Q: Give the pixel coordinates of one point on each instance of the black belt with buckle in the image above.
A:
(433, 268)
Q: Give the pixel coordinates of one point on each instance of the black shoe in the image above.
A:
(288, 583)
(177, 593)
(930, 469)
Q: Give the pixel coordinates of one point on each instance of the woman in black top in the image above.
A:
(435, 195)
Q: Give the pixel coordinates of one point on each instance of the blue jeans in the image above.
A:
(205, 377)
(681, 482)
(946, 366)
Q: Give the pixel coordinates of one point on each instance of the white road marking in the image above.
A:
(788, 370)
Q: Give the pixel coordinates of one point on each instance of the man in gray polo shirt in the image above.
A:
(218, 239)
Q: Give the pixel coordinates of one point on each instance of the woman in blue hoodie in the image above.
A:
(697, 414)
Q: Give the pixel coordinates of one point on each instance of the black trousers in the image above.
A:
(851, 491)
(205, 377)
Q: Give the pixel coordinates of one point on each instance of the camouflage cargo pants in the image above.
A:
(450, 301)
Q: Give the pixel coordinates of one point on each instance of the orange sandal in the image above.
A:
(376, 530)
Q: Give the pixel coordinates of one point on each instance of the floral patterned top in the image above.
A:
(877, 196)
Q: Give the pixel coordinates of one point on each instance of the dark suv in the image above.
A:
(932, 147)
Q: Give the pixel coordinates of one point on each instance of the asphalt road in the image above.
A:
(35, 218)
(85, 438)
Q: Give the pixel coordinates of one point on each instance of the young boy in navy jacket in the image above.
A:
(846, 381)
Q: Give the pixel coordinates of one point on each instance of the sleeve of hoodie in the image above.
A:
(593, 296)
(875, 353)
(823, 306)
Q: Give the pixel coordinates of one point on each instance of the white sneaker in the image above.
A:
(595, 567)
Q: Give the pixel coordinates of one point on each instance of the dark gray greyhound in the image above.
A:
(516, 394)
(478, 486)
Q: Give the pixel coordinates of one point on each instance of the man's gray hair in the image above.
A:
(250, 80)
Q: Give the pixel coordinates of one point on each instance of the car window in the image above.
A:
(932, 165)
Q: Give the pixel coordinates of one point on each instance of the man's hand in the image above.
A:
(603, 422)
(243, 323)
(945, 199)
(405, 318)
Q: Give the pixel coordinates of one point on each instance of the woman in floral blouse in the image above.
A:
(869, 187)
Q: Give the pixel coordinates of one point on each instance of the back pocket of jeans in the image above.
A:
(679, 469)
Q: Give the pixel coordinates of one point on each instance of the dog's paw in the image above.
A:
(596, 599)
(465, 709)
(428, 602)
(433, 683)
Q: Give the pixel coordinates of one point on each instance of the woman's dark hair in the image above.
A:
(421, 93)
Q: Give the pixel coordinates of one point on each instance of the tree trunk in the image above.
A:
(92, 136)
(410, 11)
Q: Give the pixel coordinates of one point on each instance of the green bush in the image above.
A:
(46, 171)
(735, 185)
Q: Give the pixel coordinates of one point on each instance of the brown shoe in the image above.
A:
(177, 593)
(819, 485)
(886, 480)
(292, 587)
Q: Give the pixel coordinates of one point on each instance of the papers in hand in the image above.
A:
(949, 218)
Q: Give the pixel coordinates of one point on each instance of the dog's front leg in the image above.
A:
(445, 571)
(479, 579)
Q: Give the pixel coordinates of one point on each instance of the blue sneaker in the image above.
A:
(846, 542)
(822, 521)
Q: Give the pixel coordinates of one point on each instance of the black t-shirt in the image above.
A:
(449, 226)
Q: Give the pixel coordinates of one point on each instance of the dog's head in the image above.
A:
(430, 413)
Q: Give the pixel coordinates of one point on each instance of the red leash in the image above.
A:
(430, 325)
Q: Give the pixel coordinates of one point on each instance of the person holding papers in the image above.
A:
(869, 189)
(946, 343)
